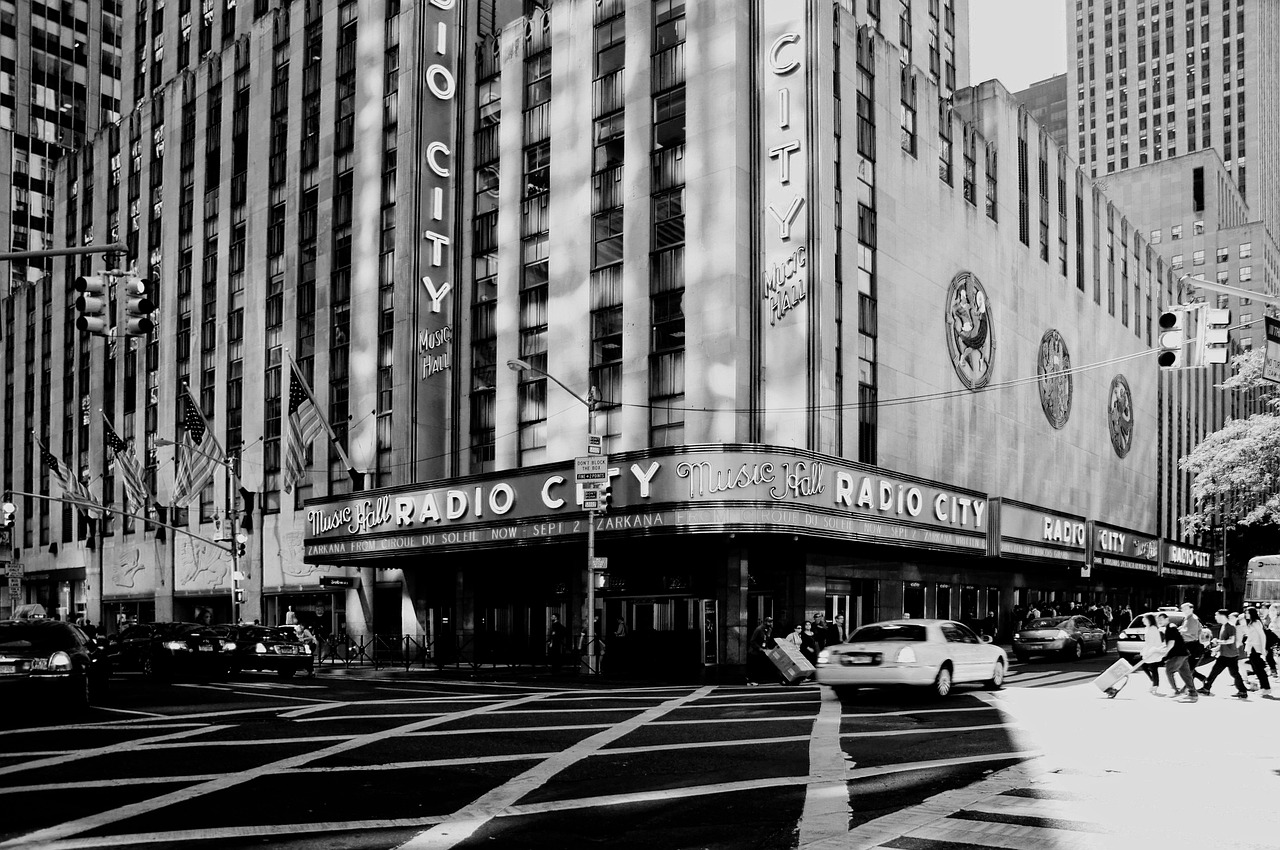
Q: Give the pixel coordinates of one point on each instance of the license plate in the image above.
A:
(206, 648)
(7, 669)
(856, 659)
(287, 650)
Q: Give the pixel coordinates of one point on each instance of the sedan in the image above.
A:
(164, 650)
(1074, 637)
(1129, 644)
(934, 654)
(273, 648)
(50, 663)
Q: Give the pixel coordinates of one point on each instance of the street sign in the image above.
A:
(587, 469)
(1271, 366)
(595, 444)
(337, 581)
(15, 589)
(599, 564)
(14, 570)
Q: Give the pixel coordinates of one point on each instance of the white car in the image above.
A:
(929, 653)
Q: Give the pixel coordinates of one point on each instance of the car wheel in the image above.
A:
(942, 684)
(996, 682)
(1075, 652)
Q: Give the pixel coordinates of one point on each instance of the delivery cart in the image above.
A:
(1114, 678)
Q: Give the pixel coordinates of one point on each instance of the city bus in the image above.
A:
(1262, 581)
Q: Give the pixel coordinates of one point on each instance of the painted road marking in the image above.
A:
(123, 747)
(927, 730)
(102, 819)
(463, 823)
(826, 799)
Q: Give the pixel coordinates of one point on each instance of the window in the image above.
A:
(1246, 250)
(1197, 258)
(1177, 261)
(1155, 237)
(1246, 273)
(1175, 232)
(1246, 318)
(1197, 228)
(1224, 254)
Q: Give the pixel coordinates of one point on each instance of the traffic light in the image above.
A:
(92, 304)
(7, 511)
(239, 595)
(1214, 338)
(1173, 339)
(606, 498)
(241, 540)
(137, 307)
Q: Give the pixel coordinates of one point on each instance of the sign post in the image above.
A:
(1271, 366)
(590, 474)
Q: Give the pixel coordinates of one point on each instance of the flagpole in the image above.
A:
(333, 437)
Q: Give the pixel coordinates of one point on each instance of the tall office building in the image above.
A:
(1152, 79)
(1048, 103)
(60, 66)
(853, 336)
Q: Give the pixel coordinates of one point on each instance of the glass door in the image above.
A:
(710, 632)
(942, 601)
(913, 599)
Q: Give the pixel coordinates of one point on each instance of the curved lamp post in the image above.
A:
(589, 626)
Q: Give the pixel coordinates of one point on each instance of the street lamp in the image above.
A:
(234, 541)
(589, 626)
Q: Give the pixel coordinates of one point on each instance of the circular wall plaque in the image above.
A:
(1120, 415)
(970, 340)
(1053, 369)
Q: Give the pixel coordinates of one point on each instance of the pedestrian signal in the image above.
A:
(1172, 330)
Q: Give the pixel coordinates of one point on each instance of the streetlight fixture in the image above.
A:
(234, 541)
(589, 626)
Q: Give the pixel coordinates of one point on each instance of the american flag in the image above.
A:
(135, 487)
(199, 454)
(303, 425)
(73, 489)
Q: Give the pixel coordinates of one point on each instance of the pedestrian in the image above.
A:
(820, 634)
(555, 642)
(758, 664)
(1033, 613)
(1176, 659)
(308, 639)
(1125, 617)
(809, 643)
(841, 632)
(1153, 650)
(1192, 637)
(1272, 624)
(1256, 647)
(1228, 656)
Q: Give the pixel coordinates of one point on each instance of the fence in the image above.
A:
(474, 651)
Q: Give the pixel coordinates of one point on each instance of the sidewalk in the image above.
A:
(1109, 774)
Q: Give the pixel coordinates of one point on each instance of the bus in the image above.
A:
(1262, 581)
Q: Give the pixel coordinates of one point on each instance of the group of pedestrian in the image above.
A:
(810, 636)
(1250, 637)
(1109, 618)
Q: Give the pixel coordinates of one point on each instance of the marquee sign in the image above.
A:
(1111, 546)
(1027, 531)
(694, 488)
(1182, 561)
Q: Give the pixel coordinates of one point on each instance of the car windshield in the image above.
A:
(1047, 623)
(889, 631)
(35, 635)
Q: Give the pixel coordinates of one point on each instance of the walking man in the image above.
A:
(1191, 630)
(1176, 661)
(1228, 656)
(758, 663)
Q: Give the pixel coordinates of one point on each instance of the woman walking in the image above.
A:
(1256, 636)
(1153, 650)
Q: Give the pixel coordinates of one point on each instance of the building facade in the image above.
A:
(839, 358)
(1048, 104)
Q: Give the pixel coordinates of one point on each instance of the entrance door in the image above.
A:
(710, 632)
(968, 613)
(942, 601)
(840, 611)
(867, 591)
(913, 599)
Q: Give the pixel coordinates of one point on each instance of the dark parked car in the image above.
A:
(49, 663)
(1073, 636)
(164, 650)
(273, 648)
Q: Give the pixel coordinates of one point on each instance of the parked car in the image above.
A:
(1072, 635)
(273, 648)
(1129, 644)
(165, 650)
(49, 663)
(927, 653)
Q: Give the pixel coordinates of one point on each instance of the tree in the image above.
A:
(1237, 468)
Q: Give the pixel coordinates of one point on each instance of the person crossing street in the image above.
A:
(1228, 657)
(1176, 660)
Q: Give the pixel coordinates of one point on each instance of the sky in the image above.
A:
(1017, 42)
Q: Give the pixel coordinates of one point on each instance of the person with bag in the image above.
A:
(1256, 647)
(1227, 657)
(1192, 636)
(1176, 660)
(1153, 650)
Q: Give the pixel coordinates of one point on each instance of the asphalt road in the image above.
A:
(424, 761)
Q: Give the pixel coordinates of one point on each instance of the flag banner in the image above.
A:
(73, 489)
(199, 454)
(302, 425)
(137, 496)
